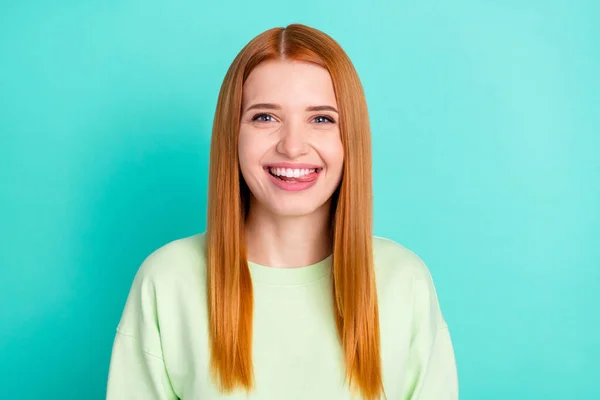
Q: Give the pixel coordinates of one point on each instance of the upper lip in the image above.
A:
(292, 165)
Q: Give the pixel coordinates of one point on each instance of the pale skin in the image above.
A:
(289, 114)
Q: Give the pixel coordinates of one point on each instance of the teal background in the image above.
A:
(486, 123)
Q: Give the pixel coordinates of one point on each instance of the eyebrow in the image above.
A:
(271, 106)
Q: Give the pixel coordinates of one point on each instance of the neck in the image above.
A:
(287, 242)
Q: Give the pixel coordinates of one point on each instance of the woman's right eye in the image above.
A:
(262, 118)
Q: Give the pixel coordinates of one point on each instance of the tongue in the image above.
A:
(305, 178)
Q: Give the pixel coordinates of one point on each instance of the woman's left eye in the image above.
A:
(323, 119)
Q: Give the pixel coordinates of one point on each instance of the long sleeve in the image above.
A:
(135, 373)
(439, 378)
(137, 367)
(432, 366)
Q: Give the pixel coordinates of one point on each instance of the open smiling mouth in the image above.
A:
(294, 174)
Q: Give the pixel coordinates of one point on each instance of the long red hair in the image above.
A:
(230, 298)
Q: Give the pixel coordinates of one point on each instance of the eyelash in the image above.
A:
(257, 116)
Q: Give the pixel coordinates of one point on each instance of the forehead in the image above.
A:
(289, 83)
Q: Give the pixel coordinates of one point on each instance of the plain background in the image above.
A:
(485, 119)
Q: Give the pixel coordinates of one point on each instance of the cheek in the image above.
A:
(333, 154)
(245, 156)
(246, 148)
(250, 151)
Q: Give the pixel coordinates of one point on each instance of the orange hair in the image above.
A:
(230, 298)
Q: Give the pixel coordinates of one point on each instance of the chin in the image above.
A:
(296, 210)
(299, 211)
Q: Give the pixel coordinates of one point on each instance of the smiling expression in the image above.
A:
(290, 150)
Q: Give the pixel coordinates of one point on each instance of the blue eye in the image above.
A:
(323, 119)
(262, 118)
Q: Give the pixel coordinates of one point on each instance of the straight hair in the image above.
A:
(230, 292)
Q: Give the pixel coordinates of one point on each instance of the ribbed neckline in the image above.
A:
(290, 276)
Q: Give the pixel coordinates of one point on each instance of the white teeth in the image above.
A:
(291, 173)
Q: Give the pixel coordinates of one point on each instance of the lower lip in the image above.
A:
(293, 186)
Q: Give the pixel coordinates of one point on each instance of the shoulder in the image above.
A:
(401, 272)
(392, 258)
(175, 269)
(176, 260)
(172, 271)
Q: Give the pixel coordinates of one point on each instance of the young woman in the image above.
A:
(287, 295)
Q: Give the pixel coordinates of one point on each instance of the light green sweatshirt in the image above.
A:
(161, 349)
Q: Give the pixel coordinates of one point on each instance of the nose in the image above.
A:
(293, 140)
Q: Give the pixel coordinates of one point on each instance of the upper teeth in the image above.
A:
(291, 172)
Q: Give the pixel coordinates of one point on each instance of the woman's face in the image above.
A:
(290, 150)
